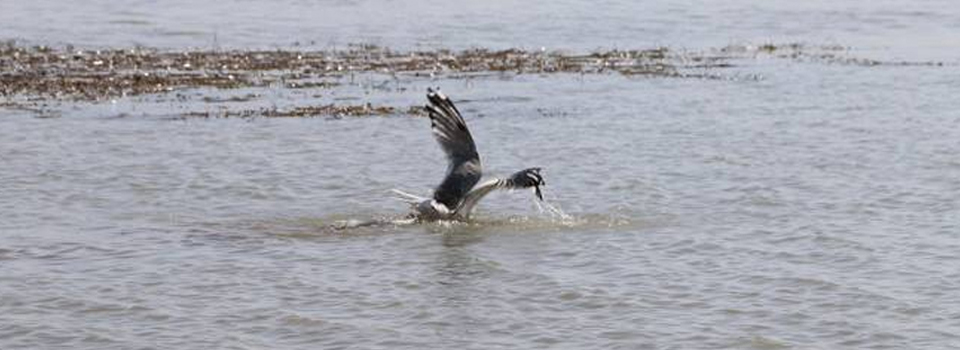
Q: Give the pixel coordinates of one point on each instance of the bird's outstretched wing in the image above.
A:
(464, 169)
(525, 178)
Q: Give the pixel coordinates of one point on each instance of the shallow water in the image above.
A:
(813, 207)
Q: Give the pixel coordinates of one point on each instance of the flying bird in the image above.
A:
(459, 193)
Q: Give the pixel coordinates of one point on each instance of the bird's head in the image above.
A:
(527, 178)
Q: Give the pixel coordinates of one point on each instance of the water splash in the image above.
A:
(554, 211)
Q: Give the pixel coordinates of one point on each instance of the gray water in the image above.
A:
(814, 207)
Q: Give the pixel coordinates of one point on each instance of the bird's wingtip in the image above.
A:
(435, 92)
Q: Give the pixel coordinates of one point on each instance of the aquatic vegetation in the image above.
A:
(31, 76)
(71, 73)
(329, 110)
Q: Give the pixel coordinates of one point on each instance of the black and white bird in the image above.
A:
(458, 194)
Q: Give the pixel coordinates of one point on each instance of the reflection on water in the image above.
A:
(461, 238)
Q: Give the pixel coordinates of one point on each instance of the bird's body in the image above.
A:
(458, 193)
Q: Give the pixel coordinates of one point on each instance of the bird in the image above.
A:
(458, 194)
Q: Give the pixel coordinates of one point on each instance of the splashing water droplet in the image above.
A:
(554, 211)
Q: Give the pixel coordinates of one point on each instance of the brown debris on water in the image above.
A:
(91, 75)
(311, 85)
(31, 75)
(217, 99)
(329, 110)
(829, 54)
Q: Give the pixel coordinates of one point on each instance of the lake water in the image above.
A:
(792, 203)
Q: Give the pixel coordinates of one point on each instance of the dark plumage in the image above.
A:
(464, 169)
(458, 193)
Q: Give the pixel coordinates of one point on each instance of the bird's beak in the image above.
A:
(536, 190)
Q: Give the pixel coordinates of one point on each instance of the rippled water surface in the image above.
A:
(792, 204)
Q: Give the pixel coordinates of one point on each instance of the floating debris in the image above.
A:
(99, 75)
(311, 85)
(31, 75)
(330, 110)
(219, 99)
(830, 54)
